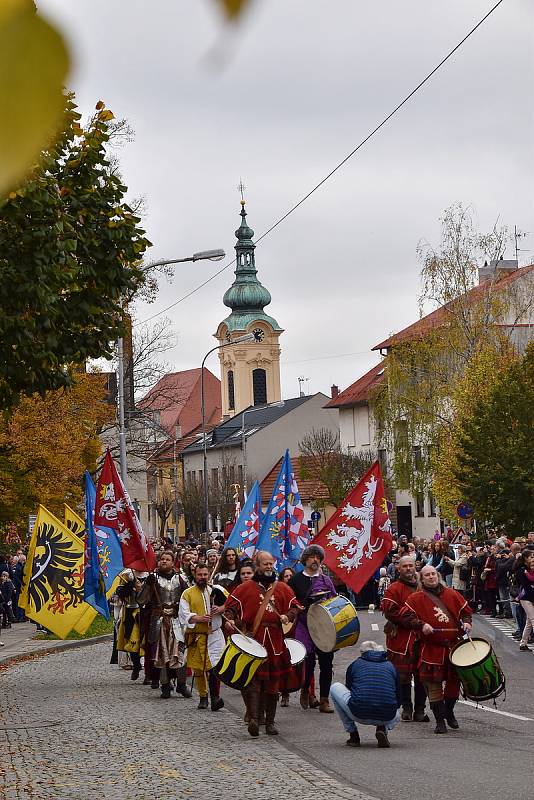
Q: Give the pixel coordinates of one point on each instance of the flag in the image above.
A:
(283, 532)
(73, 522)
(107, 542)
(114, 509)
(94, 588)
(52, 584)
(245, 532)
(357, 537)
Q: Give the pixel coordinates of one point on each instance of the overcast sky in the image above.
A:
(278, 101)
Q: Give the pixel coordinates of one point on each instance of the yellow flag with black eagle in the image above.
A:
(52, 587)
(73, 521)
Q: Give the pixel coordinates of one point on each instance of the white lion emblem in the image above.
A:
(355, 542)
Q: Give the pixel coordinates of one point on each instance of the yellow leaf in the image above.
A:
(99, 105)
(106, 115)
(33, 69)
(233, 8)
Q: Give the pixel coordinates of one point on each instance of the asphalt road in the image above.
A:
(490, 757)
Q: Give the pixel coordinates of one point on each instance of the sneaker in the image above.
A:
(516, 635)
(382, 737)
(353, 740)
(184, 690)
(203, 703)
(525, 648)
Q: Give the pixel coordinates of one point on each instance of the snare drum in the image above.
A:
(295, 679)
(478, 669)
(333, 624)
(239, 661)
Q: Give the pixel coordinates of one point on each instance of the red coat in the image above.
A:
(419, 608)
(401, 642)
(244, 603)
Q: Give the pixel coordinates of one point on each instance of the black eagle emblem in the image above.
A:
(54, 578)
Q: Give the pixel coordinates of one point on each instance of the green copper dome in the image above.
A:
(247, 297)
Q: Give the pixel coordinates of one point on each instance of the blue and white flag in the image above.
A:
(284, 533)
(103, 555)
(244, 536)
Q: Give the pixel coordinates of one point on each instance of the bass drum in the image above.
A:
(333, 624)
(478, 669)
(240, 661)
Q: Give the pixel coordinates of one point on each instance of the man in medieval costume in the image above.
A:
(261, 606)
(402, 643)
(164, 648)
(128, 626)
(441, 616)
(203, 636)
(311, 586)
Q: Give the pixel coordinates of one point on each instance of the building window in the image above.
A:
(417, 457)
(240, 475)
(200, 477)
(214, 478)
(231, 472)
(231, 394)
(420, 504)
(259, 384)
(432, 505)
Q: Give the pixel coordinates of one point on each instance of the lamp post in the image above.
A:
(202, 255)
(276, 404)
(247, 337)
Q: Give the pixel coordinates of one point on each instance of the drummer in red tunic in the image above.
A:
(402, 642)
(263, 605)
(441, 615)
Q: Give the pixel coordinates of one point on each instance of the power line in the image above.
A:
(338, 166)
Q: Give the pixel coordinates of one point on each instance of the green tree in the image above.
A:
(423, 370)
(495, 460)
(70, 249)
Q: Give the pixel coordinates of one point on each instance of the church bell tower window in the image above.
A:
(259, 384)
(231, 397)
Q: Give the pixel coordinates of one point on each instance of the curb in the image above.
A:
(54, 647)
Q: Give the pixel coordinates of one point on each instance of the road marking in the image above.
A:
(374, 626)
(495, 711)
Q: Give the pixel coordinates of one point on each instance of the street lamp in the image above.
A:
(202, 255)
(276, 404)
(247, 337)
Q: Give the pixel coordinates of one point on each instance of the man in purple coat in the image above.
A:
(311, 586)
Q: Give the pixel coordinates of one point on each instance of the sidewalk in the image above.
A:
(19, 642)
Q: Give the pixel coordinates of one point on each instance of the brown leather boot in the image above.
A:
(314, 703)
(304, 699)
(253, 705)
(271, 702)
(324, 706)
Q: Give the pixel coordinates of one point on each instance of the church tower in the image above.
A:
(250, 371)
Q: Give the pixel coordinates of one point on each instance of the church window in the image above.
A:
(231, 395)
(259, 384)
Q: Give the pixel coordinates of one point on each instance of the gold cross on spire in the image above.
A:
(241, 189)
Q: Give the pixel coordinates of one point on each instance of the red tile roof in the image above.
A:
(308, 489)
(359, 392)
(177, 397)
(438, 317)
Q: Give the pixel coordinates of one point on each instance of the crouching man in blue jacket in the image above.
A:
(371, 696)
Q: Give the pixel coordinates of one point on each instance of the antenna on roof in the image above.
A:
(302, 380)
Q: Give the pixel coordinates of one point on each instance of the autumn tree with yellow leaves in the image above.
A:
(47, 443)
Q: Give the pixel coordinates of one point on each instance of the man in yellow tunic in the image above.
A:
(203, 637)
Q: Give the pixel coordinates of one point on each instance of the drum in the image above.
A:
(294, 681)
(478, 669)
(333, 624)
(239, 661)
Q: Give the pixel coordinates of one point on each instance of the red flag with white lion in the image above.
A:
(114, 509)
(357, 537)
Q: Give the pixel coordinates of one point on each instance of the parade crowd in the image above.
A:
(207, 615)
